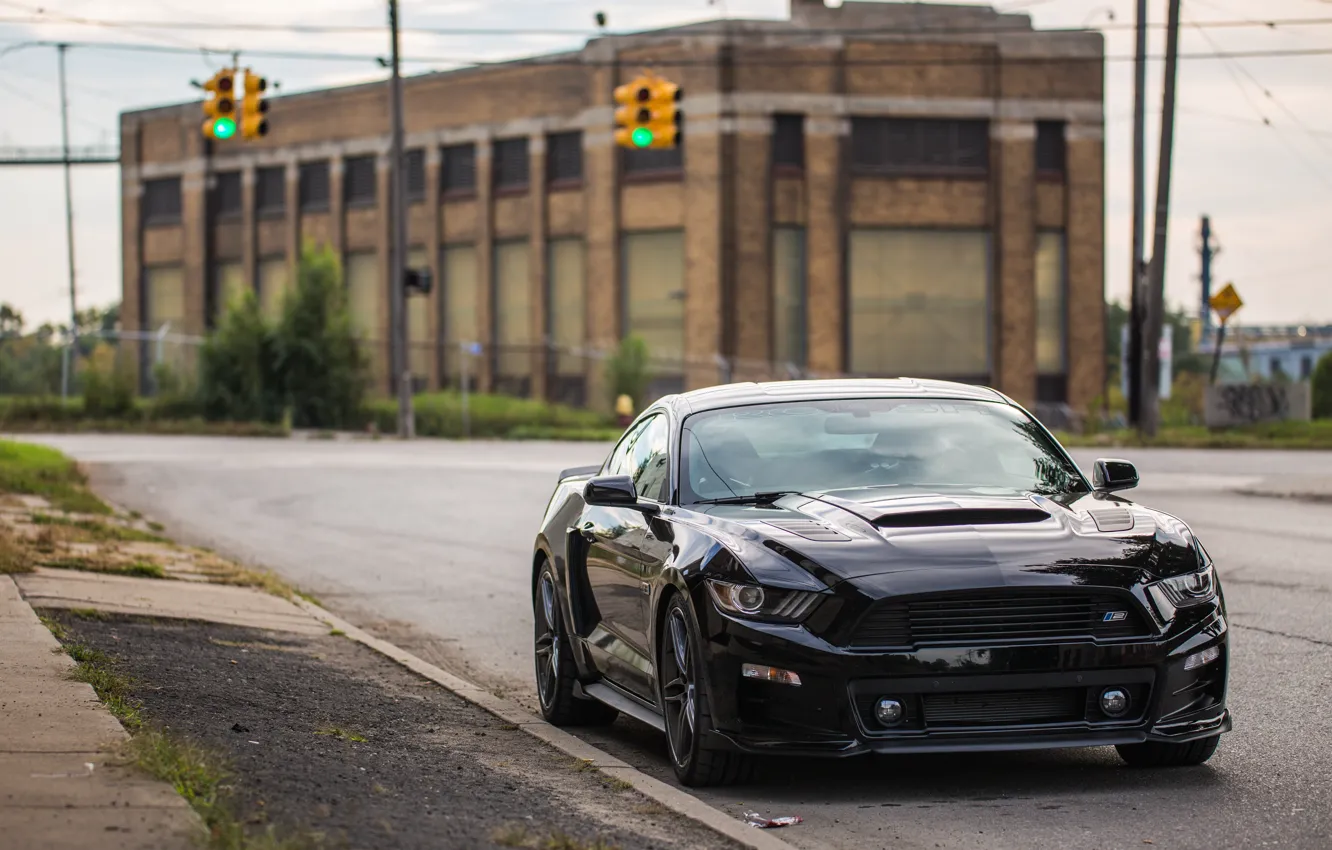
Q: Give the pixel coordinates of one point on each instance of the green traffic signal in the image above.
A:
(642, 137)
(224, 128)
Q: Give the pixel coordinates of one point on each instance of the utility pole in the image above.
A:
(67, 363)
(1151, 414)
(1208, 254)
(1133, 366)
(397, 258)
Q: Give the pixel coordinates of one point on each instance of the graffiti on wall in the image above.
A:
(1228, 405)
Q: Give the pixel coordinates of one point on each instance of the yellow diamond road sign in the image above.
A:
(1226, 302)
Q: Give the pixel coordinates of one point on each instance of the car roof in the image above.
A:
(742, 394)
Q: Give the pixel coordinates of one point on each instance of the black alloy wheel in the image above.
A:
(1165, 754)
(555, 670)
(684, 704)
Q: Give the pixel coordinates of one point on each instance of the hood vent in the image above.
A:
(961, 516)
(1113, 519)
(808, 529)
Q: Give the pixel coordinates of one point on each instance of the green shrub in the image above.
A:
(108, 384)
(237, 379)
(1322, 388)
(491, 416)
(628, 371)
(319, 364)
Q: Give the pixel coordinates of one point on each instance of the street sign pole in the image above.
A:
(1225, 303)
(1216, 356)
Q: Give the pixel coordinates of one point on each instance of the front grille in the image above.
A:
(1003, 708)
(991, 618)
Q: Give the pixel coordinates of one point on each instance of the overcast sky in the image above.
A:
(1267, 187)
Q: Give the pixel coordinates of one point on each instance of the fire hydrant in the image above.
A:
(624, 410)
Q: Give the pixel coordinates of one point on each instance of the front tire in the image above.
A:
(1164, 754)
(556, 672)
(683, 696)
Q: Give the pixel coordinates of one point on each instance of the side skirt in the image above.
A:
(624, 703)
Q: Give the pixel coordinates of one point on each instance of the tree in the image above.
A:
(319, 360)
(11, 322)
(628, 370)
(238, 380)
(1322, 388)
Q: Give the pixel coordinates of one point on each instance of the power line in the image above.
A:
(555, 60)
(49, 18)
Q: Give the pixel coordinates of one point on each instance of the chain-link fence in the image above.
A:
(59, 365)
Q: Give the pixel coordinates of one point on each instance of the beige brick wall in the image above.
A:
(751, 310)
(1086, 270)
(907, 202)
(1013, 159)
(163, 245)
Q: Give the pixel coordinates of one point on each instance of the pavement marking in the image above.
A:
(678, 801)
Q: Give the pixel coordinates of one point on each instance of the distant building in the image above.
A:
(878, 189)
(1268, 353)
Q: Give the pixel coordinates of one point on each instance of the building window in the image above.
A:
(161, 201)
(513, 315)
(419, 345)
(788, 296)
(457, 170)
(945, 147)
(652, 162)
(1050, 149)
(1276, 367)
(918, 303)
(164, 298)
(1306, 367)
(227, 195)
(414, 166)
(511, 164)
(270, 191)
(653, 296)
(228, 289)
(459, 287)
(788, 142)
(564, 158)
(274, 280)
(566, 318)
(361, 271)
(359, 181)
(1051, 301)
(314, 186)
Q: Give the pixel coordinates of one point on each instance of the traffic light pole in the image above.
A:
(68, 362)
(401, 376)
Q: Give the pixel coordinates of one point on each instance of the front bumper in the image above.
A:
(1004, 697)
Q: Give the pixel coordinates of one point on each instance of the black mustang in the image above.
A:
(843, 567)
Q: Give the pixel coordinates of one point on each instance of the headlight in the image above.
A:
(762, 603)
(1190, 588)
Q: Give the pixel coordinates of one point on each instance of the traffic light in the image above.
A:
(254, 107)
(416, 280)
(220, 105)
(649, 113)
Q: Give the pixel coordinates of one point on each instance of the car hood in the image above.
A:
(899, 541)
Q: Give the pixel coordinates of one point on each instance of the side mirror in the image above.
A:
(1109, 475)
(615, 491)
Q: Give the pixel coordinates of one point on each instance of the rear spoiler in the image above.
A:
(578, 471)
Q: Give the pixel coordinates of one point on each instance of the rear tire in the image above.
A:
(556, 672)
(1163, 754)
(683, 696)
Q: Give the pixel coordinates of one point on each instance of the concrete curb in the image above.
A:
(1295, 496)
(677, 801)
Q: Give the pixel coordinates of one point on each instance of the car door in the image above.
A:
(623, 553)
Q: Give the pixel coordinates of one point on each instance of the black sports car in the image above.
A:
(844, 567)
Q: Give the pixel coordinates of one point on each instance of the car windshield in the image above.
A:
(914, 444)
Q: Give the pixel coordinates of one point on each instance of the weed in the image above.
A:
(135, 515)
(308, 597)
(156, 526)
(512, 836)
(617, 784)
(140, 569)
(57, 630)
(560, 841)
(96, 530)
(96, 668)
(143, 569)
(13, 559)
(583, 765)
(651, 808)
(336, 633)
(89, 614)
(341, 734)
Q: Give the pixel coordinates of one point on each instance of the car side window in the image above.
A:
(619, 462)
(650, 460)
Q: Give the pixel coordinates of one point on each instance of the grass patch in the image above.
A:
(156, 526)
(1315, 434)
(439, 414)
(55, 628)
(13, 559)
(34, 470)
(336, 633)
(88, 614)
(98, 531)
(96, 668)
(137, 569)
(518, 835)
(341, 734)
(308, 597)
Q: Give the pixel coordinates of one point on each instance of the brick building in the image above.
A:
(876, 189)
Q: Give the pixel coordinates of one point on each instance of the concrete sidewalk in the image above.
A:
(59, 785)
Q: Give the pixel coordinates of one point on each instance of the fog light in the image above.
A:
(1198, 659)
(770, 674)
(1114, 701)
(888, 711)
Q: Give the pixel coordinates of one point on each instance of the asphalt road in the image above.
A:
(429, 543)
